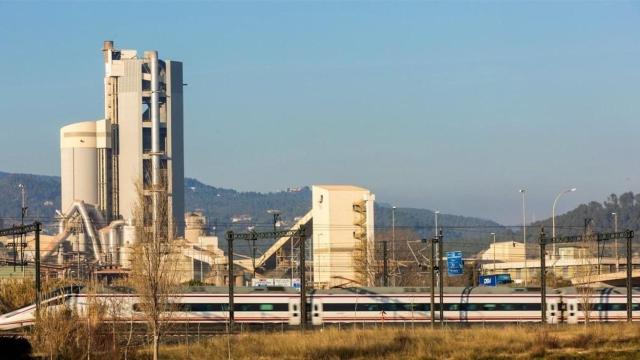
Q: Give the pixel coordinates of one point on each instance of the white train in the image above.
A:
(279, 305)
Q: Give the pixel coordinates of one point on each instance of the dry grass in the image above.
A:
(620, 341)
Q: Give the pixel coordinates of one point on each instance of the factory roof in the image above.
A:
(341, 187)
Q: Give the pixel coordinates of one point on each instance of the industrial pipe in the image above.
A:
(114, 244)
(155, 131)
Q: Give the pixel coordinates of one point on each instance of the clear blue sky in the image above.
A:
(450, 106)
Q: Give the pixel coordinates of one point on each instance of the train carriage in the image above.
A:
(413, 304)
(280, 305)
(599, 304)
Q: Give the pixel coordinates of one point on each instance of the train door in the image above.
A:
(553, 311)
(294, 311)
(571, 311)
(316, 312)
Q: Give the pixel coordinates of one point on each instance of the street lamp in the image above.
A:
(524, 233)
(553, 219)
(494, 252)
(615, 243)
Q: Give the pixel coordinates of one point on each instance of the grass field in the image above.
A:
(595, 341)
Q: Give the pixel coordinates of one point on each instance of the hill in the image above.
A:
(598, 214)
(228, 208)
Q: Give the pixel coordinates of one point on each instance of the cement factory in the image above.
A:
(136, 152)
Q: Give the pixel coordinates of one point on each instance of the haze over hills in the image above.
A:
(227, 208)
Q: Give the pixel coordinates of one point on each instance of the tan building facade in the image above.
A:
(343, 233)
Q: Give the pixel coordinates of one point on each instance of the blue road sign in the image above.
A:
(495, 280)
(455, 265)
(488, 280)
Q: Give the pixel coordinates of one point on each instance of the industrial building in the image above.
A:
(573, 263)
(135, 152)
(132, 159)
(104, 162)
(343, 235)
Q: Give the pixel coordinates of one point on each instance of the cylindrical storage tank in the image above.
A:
(114, 243)
(79, 164)
(128, 235)
(82, 243)
(126, 245)
(125, 256)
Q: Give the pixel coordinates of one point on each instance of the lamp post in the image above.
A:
(524, 233)
(393, 244)
(553, 219)
(494, 252)
(615, 243)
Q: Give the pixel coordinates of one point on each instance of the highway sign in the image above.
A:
(455, 264)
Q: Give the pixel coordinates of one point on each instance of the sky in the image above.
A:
(440, 105)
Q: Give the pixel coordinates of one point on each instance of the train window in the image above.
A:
(339, 307)
(488, 307)
(409, 307)
(552, 307)
(390, 307)
(373, 307)
(266, 307)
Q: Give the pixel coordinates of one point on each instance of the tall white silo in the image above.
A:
(79, 164)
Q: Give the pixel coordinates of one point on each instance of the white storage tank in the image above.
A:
(79, 164)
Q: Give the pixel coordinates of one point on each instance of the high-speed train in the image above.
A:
(281, 305)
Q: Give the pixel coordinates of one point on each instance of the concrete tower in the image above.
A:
(343, 236)
(139, 142)
(138, 93)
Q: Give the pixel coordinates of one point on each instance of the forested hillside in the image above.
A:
(222, 205)
(626, 206)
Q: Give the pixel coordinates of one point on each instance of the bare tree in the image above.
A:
(154, 266)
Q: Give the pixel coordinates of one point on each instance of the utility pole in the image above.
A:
(303, 279)
(543, 277)
(615, 244)
(393, 246)
(433, 280)
(37, 259)
(629, 236)
(441, 276)
(230, 237)
(385, 265)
